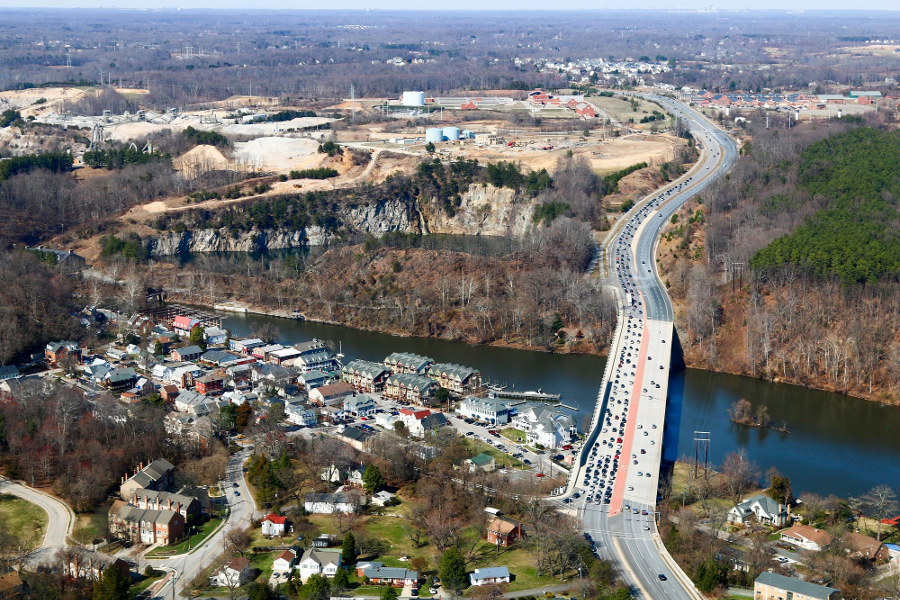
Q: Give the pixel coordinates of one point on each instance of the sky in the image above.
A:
(517, 5)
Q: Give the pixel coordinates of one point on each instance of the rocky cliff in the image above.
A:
(484, 210)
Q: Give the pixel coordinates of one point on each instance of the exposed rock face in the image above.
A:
(220, 240)
(485, 210)
(384, 217)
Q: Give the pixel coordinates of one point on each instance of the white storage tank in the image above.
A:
(434, 134)
(413, 99)
(451, 133)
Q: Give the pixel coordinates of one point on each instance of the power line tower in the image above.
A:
(701, 453)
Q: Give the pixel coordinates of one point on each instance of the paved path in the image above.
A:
(60, 517)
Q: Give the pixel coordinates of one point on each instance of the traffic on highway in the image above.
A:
(615, 490)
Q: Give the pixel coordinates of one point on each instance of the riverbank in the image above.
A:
(561, 347)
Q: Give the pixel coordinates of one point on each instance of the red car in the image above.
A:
(618, 440)
(567, 447)
(538, 474)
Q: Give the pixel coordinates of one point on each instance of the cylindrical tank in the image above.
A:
(413, 99)
(451, 133)
(434, 134)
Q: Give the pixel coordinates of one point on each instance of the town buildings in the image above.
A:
(492, 410)
(771, 586)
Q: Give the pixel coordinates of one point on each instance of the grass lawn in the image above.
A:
(503, 459)
(513, 435)
(205, 531)
(521, 564)
(263, 562)
(143, 583)
(24, 521)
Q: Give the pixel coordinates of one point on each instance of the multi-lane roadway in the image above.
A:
(615, 485)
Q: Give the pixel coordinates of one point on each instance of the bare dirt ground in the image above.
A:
(621, 110)
(24, 100)
(278, 153)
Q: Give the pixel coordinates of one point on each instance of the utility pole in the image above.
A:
(701, 453)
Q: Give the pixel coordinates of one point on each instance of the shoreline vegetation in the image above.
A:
(742, 413)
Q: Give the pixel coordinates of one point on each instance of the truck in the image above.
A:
(629, 301)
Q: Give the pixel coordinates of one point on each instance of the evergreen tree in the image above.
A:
(341, 581)
(453, 569)
(348, 548)
(316, 587)
(389, 593)
(373, 480)
(197, 338)
(112, 585)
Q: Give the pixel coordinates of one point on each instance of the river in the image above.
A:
(837, 445)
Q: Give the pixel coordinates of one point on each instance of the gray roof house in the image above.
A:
(761, 508)
(489, 575)
(771, 586)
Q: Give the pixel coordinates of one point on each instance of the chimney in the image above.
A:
(169, 504)
(135, 500)
(146, 501)
(178, 507)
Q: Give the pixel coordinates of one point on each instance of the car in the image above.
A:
(526, 461)
(630, 488)
(237, 493)
(538, 474)
(566, 500)
(662, 577)
(432, 590)
(236, 485)
(646, 528)
(470, 433)
(414, 592)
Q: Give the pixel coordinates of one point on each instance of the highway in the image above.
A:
(614, 487)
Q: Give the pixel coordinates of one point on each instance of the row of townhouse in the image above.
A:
(410, 388)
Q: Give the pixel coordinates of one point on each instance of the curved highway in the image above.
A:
(614, 483)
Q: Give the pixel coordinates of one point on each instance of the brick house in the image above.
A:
(155, 476)
(57, 352)
(146, 526)
(502, 531)
(209, 383)
(364, 375)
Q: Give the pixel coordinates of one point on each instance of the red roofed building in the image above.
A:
(274, 525)
(468, 105)
(183, 325)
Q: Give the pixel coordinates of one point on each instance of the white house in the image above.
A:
(381, 498)
(232, 575)
(323, 562)
(489, 575)
(352, 475)
(274, 525)
(806, 537)
(386, 420)
(342, 502)
(761, 508)
(547, 427)
(285, 562)
(360, 405)
(492, 410)
(215, 336)
(192, 402)
(298, 414)
(313, 379)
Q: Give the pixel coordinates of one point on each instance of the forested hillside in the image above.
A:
(807, 222)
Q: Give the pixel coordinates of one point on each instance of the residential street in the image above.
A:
(60, 522)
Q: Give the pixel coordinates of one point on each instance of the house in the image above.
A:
(412, 417)
(771, 586)
(234, 574)
(353, 475)
(192, 402)
(492, 410)
(263, 352)
(246, 346)
(387, 420)
(12, 586)
(187, 353)
(56, 353)
(183, 375)
(364, 375)
(188, 506)
(410, 388)
(458, 379)
(183, 325)
(489, 575)
(87, 564)
(63, 258)
(405, 362)
(393, 576)
(760, 508)
(361, 567)
(340, 502)
(8, 372)
(865, 547)
(299, 414)
(359, 405)
(222, 358)
(274, 525)
(169, 392)
(331, 394)
(503, 531)
(806, 537)
(116, 380)
(314, 355)
(147, 526)
(323, 541)
(546, 427)
(431, 423)
(285, 562)
(322, 562)
(356, 437)
(215, 336)
(210, 383)
(313, 379)
(283, 356)
(382, 498)
(157, 475)
(482, 462)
